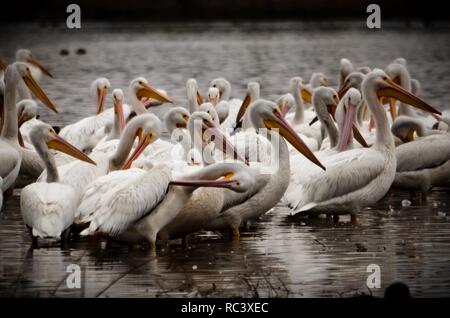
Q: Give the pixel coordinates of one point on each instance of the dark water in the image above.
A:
(275, 257)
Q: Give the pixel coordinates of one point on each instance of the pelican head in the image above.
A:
(400, 60)
(203, 131)
(117, 95)
(325, 96)
(24, 55)
(404, 127)
(253, 93)
(26, 110)
(345, 68)
(147, 128)
(141, 90)
(378, 84)
(211, 111)
(265, 114)
(230, 175)
(319, 79)
(285, 103)
(354, 79)
(345, 116)
(24, 71)
(99, 88)
(194, 158)
(213, 95)
(192, 91)
(44, 136)
(224, 88)
(297, 87)
(177, 117)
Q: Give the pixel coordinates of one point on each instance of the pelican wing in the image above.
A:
(48, 208)
(346, 172)
(427, 152)
(115, 201)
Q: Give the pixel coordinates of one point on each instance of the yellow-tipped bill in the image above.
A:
(396, 91)
(291, 136)
(101, 97)
(148, 91)
(118, 111)
(32, 60)
(144, 141)
(57, 143)
(245, 103)
(37, 91)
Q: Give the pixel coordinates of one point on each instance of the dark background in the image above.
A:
(168, 10)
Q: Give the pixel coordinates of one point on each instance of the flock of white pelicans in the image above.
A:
(338, 150)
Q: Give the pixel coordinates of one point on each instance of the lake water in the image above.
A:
(275, 257)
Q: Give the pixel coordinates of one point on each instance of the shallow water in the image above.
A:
(275, 257)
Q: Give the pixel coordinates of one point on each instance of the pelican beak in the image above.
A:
(143, 143)
(184, 123)
(393, 108)
(359, 138)
(313, 120)
(22, 118)
(344, 90)
(396, 91)
(101, 97)
(118, 111)
(2, 65)
(278, 122)
(221, 183)
(348, 127)
(199, 98)
(221, 141)
(57, 143)
(306, 94)
(148, 91)
(409, 136)
(37, 91)
(245, 103)
(32, 60)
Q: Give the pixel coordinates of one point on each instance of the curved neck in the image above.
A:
(138, 106)
(123, 150)
(48, 159)
(383, 133)
(327, 123)
(10, 124)
(299, 116)
(405, 82)
(192, 104)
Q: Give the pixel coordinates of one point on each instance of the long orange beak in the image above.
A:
(278, 122)
(199, 98)
(221, 141)
(62, 145)
(101, 97)
(118, 112)
(396, 91)
(245, 103)
(306, 94)
(150, 92)
(143, 143)
(37, 91)
(35, 62)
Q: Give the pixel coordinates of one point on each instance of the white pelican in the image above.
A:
(12, 155)
(134, 207)
(79, 174)
(359, 177)
(193, 95)
(345, 68)
(212, 210)
(227, 106)
(423, 162)
(82, 133)
(252, 94)
(36, 68)
(140, 90)
(48, 209)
